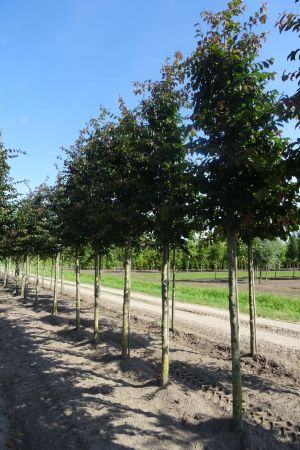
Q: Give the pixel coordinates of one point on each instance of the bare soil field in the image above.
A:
(62, 391)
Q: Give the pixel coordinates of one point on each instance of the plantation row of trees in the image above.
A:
(201, 152)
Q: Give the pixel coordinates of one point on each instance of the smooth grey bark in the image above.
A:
(55, 287)
(126, 302)
(97, 293)
(77, 278)
(234, 327)
(173, 290)
(37, 281)
(164, 376)
(252, 301)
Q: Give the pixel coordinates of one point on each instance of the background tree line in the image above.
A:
(202, 255)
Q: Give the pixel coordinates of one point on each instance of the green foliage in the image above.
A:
(217, 253)
(165, 181)
(291, 103)
(267, 253)
(84, 190)
(291, 22)
(293, 249)
(129, 209)
(242, 170)
(34, 228)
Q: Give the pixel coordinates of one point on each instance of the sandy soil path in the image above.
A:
(61, 391)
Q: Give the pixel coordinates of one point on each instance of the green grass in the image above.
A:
(268, 304)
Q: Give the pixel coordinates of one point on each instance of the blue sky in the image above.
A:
(61, 59)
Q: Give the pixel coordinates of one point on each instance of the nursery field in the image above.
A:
(196, 167)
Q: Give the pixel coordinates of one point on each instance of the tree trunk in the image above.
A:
(37, 282)
(17, 276)
(97, 294)
(6, 272)
(62, 277)
(55, 288)
(44, 272)
(27, 277)
(23, 280)
(234, 327)
(260, 275)
(51, 276)
(77, 274)
(252, 302)
(126, 302)
(173, 291)
(164, 378)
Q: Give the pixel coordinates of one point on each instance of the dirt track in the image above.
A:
(61, 391)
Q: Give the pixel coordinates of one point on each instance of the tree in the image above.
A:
(266, 253)
(164, 178)
(23, 237)
(35, 233)
(293, 251)
(241, 138)
(129, 208)
(87, 171)
(216, 254)
(41, 242)
(70, 211)
(202, 251)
